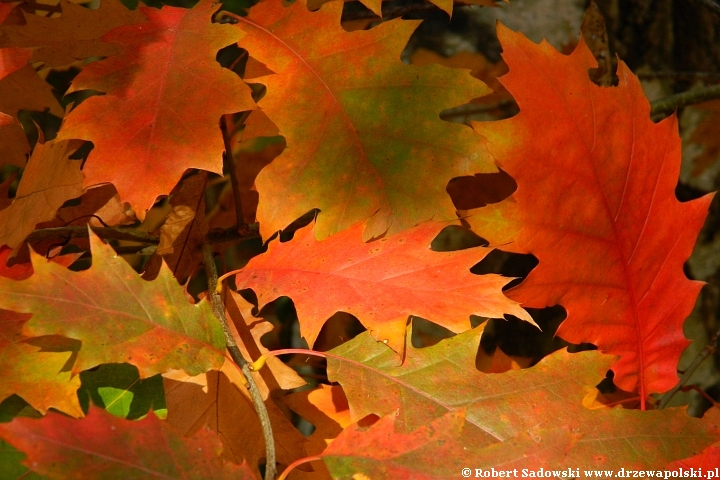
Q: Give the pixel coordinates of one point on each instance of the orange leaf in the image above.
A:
(595, 196)
(149, 114)
(382, 283)
(104, 446)
(116, 315)
(35, 373)
(49, 180)
(361, 123)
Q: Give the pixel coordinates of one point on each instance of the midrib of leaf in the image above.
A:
(163, 80)
(100, 455)
(408, 386)
(608, 212)
(337, 103)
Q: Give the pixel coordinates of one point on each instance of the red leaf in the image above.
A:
(436, 450)
(596, 205)
(104, 446)
(381, 282)
(436, 380)
(149, 114)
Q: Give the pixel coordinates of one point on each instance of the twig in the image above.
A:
(699, 358)
(115, 233)
(232, 166)
(262, 413)
(702, 392)
(81, 231)
(475, 108)
(691, 97)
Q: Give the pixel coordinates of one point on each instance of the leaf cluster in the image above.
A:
(241, 240)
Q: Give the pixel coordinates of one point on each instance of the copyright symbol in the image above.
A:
(466, 472)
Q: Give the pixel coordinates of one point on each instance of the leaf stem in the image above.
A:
(691, 97)
(699, 358)
(297, 462)
(260, 362)
(235, 353)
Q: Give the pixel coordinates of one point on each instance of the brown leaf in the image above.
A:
(50, 179)
(74, 35)
(23, 89)
(183, 233)
(14, 147)
(220, 400)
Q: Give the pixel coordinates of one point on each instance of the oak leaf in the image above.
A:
(381, 283)
(50, 179)
(34, 373)
(20, 86)
(220, 400)
(364, 137)
(442, 378)
(23, 89)
(14, 147)
(326, 408)
(148, 113)
(595, 195)
(185, 227)
(118, 316)
(434, 451)
(74, 35)
(104, 446)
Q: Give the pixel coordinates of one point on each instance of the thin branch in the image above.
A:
(232, 168)
(81, 231)
(117, 233)
(702, 392)
(475, 108)
(262, 413)
(252, 230)
(699, 358)
(691, 97)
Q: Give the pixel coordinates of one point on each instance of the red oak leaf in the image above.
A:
(596, 205)
(148, 129)
(381, 282)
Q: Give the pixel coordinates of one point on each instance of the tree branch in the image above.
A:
(116, 233)
(81, 231)
(704, 354)
(219, 312)
(691, 97)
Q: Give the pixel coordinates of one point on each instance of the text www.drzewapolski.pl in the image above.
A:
(569, 473)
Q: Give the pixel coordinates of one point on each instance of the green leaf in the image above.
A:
(118, 388)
